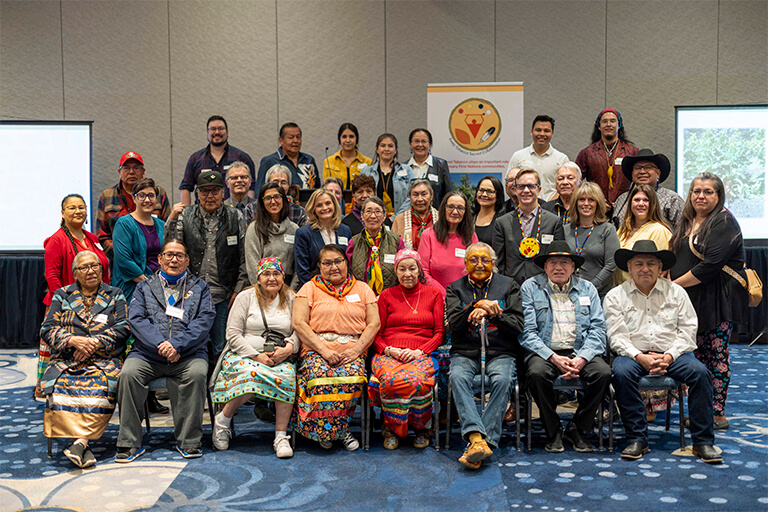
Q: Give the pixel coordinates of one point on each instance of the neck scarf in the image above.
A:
(373, 275)
(411, 220)
(172, 280)
(328, 288)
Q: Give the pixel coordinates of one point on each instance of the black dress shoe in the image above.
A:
(635, 450)
(155, 407)
(574, 436)
(708, 454)
(555, 445)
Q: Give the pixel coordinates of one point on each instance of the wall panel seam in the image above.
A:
(717, 58)
(277, 69)
(170, 98)
(61, 38)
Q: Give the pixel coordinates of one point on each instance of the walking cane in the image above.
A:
(483, 342)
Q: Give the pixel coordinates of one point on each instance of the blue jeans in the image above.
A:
(219, 332)
(686, 369)
(500, 371)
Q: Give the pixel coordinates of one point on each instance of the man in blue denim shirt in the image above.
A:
(564, 336)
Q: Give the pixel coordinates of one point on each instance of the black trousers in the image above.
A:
(541, 375)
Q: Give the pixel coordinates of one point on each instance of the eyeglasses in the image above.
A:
(647, 167)
(455, 208)
(708, 192)
(174, 255)
(271, 274)
(483, 259)
(511, 181)
(486, 192)
(214, 129)
(373, 213)
(274, 198)
(208, 191)
(133, 168)
(332, 263)
(141, 196)
(282, 183)
(529, 186)
(418, 141)
(86, 268)
(80, 208)
(240, 177)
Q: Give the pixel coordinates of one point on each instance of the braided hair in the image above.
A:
(64, 224)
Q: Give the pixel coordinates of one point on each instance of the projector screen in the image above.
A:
(732, 142)
(41, 161)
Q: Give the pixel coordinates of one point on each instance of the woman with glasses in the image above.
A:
(392, 178)
(372, 252)
(487, 206)
(427, 166)
(136, 240)
(86, 328)
(271, 234)
(336, 318)
(60, 251)
(443, 246)
(410, 224)
(710, 266)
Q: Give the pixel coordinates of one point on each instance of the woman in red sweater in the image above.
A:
(403, 370)
(60, 250)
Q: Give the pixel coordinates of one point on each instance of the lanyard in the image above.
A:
(576, 238)
(520, 221)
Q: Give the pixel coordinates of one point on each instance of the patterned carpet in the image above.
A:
(249, 476)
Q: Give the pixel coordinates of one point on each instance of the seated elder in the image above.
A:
(336, 318)
(372, 252)
(171, 315)
(652, 327)
(482, 294)
(564, 337)
(260, 339)
(403, 370)
(86, 328)
(421, 215)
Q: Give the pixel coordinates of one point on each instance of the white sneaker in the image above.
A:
(282, 446)
(221, 433)
(350, 443)
(326, 444)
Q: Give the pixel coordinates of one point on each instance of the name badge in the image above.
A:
(289, 238)
(402, 173)
(232, 240)
(99, 247)
(343, 240)
(547, 239)
(389, 258)
(226, 167)
(432, 177)
(174, 312)
(460, 253)
(584, 301)
(353, 298)
(101, 319)
(618, 161)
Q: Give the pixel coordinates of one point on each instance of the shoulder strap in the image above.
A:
(261, 310)
(728, 270)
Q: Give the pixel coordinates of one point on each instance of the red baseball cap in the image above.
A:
(131, 155)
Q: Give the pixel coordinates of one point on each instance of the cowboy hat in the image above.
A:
(558, 248)
(623, 256)
(646, 155)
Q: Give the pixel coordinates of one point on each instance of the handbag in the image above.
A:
(274, 337)
(753, 285)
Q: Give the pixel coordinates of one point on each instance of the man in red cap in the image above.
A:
(118, 200)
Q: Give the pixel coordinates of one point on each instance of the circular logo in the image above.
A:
(474, 124)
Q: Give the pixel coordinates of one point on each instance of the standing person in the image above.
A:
(526, 232)
(60, 251)
(487, 207)
(281, 175)
(426, 166)
(118, 200)
(347, 162)
(647, 168)
(708, 244)
(217, 156)
(643, 221)
(324, 228)
(215, 237)
(567, 179)
(541, 156)
(444, 245)
(410, 224)
(601, 161)
(363, 187)
(372, 252)
(392, 178)
(86, 328)
(302, 166)
(170, 317)
(271, 234)
(590, 235)
(403, 369)
(239, 185)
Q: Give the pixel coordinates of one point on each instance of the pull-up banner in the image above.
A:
(476, 126)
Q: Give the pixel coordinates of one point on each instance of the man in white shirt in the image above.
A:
(541, 156)
(652, 327)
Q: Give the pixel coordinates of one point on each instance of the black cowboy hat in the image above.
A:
(622, 256)
(558, 248)
(646, 155)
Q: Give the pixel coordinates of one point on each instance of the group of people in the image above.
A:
(247, 295)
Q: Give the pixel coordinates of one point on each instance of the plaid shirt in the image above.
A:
(203, 161)
(113, 204)
(297, 214)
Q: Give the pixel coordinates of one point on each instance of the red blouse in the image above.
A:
(401, 328)
(59, 255)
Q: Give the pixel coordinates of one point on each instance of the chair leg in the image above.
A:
(610, 418)
(682, 426)
(517, 416)
(528, 420)
(293, 439)
(448, 417)
(669, 410)
(365, 417)
(436, 417)
(50, 447)
(211, 412)
(146, 417)
(600, 426)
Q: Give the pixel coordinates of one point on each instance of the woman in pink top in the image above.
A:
(443, 245)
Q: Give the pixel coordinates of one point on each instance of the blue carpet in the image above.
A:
(250, 477)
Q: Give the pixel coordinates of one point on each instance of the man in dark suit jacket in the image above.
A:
(516, 246)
